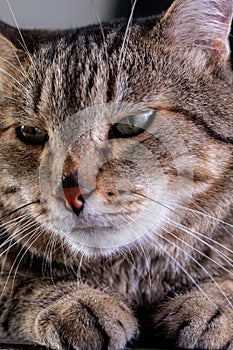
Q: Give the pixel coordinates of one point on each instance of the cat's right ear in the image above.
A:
(204, 24)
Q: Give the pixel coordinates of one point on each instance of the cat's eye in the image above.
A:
(31, 135)
(132, 125)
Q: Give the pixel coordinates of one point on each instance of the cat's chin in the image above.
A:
(90, 252)
(95, 249)
(93, 241)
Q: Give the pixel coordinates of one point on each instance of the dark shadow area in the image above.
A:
(37, 347)
(143, 7)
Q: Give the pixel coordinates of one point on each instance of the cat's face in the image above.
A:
(112, 140)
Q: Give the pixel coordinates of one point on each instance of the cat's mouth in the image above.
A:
(82, 224)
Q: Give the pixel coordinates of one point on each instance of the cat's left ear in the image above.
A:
(201, 23)
(7, 49)
(7, 58)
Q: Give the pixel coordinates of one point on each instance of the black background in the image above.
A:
(143, 7)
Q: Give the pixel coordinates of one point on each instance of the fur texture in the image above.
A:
(148, 248)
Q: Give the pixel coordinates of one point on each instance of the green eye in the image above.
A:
(31, 135)
(132, 125)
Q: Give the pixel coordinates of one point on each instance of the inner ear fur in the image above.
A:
(205, 24)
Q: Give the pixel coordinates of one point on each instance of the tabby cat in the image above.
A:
(116, 182)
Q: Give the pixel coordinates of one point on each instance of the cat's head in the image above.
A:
(113, 138)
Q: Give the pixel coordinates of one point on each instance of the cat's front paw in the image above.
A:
(86, 319)
(198, 321)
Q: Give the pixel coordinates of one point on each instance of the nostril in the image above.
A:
(81, 199)
(74, 199)
(110, 194)
(77, 204)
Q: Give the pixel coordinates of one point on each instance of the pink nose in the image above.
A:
(72, 197)
(71, 192)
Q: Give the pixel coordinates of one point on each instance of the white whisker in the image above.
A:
(16, 234)
(48, 256)
(206, 215)
(13, 78)
(25, 74)
(176, 262)
(125, 39)
(79, 268)
(196, 234)
(21, 36)
(51, 251)
(197, 262)
(131, 263)
(13, 222)
(14, 67)
(99, 22)
(199, 251)
(27, 247)
(205, 212)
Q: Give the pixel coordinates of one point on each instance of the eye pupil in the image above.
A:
(132, 125)
(31, 135)
(33, 131)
